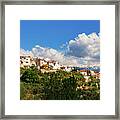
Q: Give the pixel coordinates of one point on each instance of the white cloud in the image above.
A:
(85, 46)
(53, 54)
(84, 49)
(37, 46)
(25, 52)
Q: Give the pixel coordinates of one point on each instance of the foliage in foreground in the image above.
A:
(59, 85)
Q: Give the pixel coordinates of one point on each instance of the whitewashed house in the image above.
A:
(92, 73)
(25, 61)
(83, 72)
(68, 69)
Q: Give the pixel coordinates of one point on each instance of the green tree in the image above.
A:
(69, 88)
(30, 76)
(59, 85)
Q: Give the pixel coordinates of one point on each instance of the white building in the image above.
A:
(56, 66)
(25, 61)
(68, 69)
(40, 63)
(83, 72)
(92, 73)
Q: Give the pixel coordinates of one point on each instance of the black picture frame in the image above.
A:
(2, 56)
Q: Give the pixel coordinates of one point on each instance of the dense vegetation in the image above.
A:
(59, 85)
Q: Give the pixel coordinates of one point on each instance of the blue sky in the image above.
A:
(53, 33)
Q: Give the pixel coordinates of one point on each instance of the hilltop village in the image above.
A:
(53, 81)
(47, 65)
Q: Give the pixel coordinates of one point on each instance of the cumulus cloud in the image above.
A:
(37, 46)
(46, 52)
(53, 54)
(85, 46)
(25, 52)
(84, 49)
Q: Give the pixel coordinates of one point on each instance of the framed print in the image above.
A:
(59, 59)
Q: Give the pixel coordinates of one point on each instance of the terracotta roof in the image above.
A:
(83, 70)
